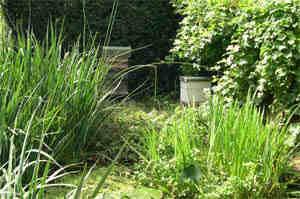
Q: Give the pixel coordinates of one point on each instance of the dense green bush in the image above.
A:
(251, 44)
(138, 23)
(204, 34)
(264, 55)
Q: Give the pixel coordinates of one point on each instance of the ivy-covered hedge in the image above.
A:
(251, 44)
(138, 23)
(204, 34)
(264, 54)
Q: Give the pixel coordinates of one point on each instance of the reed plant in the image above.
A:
(41, 165)
(249, 147)
(52, 105)
(71, 88)
(12, 172)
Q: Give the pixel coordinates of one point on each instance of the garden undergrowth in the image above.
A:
(213, 151)
(218, 150)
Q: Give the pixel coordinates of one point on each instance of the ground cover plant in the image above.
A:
(168, 154)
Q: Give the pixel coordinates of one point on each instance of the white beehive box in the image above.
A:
(193, 90)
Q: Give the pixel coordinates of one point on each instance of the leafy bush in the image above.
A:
(264, 54)
(250, 44)
(204, 34)
(218, 151)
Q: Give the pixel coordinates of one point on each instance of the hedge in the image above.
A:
(138, 23)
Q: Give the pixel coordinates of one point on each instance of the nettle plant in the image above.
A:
(204, 34)
(264, 54)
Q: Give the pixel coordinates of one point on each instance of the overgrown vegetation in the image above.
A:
(146, 25)
(249, 44)
(222, 151)
(173, 153)
(52, 105)
(12, 182)
(70, 89)
(56, 108)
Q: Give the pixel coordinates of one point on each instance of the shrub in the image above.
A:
(204, 34)
(264, 54)
(250, 44)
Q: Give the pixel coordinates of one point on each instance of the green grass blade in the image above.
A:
(106, 174)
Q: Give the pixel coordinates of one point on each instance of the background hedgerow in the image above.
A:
(146, 25)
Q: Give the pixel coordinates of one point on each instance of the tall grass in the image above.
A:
(51, 107)
(12, 172)
(223, 150)
(12, 184)
(242, 141)
(52, 104)
(72, 87)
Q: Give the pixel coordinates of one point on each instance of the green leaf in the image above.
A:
(192, 172)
